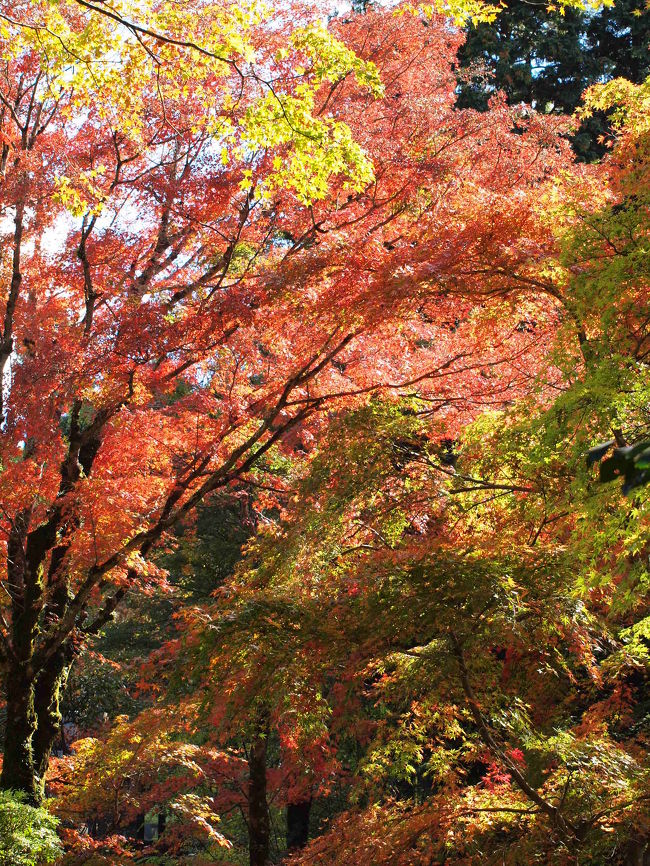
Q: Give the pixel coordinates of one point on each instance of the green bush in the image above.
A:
(27, 834)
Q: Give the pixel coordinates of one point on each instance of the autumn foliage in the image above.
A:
(259, 260)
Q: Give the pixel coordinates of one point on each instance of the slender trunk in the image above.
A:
(567, 831)
(259, 828)
(298, 824)
(7, 325)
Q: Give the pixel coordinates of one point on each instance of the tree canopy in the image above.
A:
(324, 334)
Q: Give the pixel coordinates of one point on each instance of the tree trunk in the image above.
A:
(638, 853)
(138, 825)
(33, 725)
(33, 696)
(298, 824)
(47, 705)
(259, 828)
(18, 770)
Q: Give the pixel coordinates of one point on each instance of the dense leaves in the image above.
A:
(548, 57)
(27, 835)
(309, 335)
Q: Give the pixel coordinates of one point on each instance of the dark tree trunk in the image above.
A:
(33, 725)
(18, 770)
(298, 824)
(259, 828)
(40, 597)
(138, 826)
(33, 695)
(638, 853)
(47, 705)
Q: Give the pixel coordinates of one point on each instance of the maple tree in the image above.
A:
(259, 255)
(80, 329)
(178, 252)
(474, 614)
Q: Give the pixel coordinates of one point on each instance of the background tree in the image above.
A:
(549, 58)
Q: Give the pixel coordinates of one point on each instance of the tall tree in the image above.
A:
(475, 613)
(199, 265)
(548, 59)
(136, 221)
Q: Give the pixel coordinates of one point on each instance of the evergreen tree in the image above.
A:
(548, 59)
